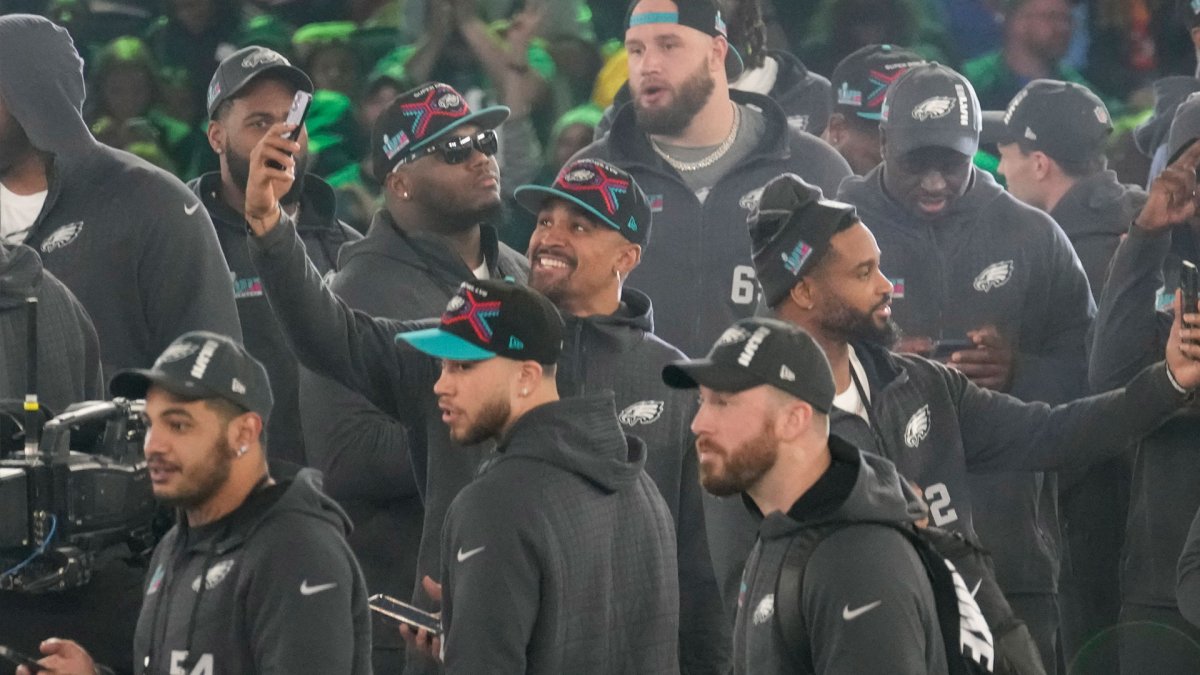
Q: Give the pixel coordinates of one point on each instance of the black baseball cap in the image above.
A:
(790, 230)
(200, 365)
(241, 67)
(419, 117)
(602, 190)
(759, 351)
(931, 105)
(701, 15)
(860, 81)
(1062, 119)
(486, 319)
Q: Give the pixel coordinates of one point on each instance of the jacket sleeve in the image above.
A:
(300, 602)
(1187, 593)
(490, 564)
(705, 631)
(333, 340)
(1001, 433)
(868, 606)
(362, 451)
(1055, 370)
(1130, 333)
(182, 277)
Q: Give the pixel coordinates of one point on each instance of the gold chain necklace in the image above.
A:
(713, 157)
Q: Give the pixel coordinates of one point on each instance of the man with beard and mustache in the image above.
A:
(435, 160)
(999, 286)
(251, 90)
(762, 432)
(701, 152)
(257, 576)
(820, 269)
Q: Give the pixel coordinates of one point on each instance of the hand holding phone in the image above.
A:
(296, 115)
(943, 349)
(404, 613)
(18, 659)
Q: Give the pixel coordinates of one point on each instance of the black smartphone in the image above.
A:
(1189, 284)
(402, 612)
(17, 658)
(296, 115)
(942, 349)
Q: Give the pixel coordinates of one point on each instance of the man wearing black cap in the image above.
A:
(762, 431)
(859, 84)
(257, 575)
(435, 158)
(1163, 498)
(998, 285)
(701, 153)
(251, 90)
(1052, 139)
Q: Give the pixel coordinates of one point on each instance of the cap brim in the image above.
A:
(488, 118)
(531, 198)
(994, 129)
(903, 141)
(440, 344)
(134, 383)
(718, 376)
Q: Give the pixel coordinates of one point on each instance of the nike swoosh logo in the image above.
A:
(976, 589)
(305, 589)
(189, 210)
(852, 614)
(462, 557)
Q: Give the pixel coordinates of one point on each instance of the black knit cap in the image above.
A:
(790, 231)
(759, 351)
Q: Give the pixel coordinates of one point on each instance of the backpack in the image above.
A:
(965, 633)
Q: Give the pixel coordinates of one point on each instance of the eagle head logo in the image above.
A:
(933, 108)
(917, 428)
(994, 276)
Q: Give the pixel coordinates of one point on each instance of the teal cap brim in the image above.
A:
(440, 344)
(531, 198)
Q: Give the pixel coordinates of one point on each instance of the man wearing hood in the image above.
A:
(127, 238)
(762, 432)
(591, 224)
(998, 284)
(252, 89)
(256, 576)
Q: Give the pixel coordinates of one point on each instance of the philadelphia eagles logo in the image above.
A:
(765, 609)
(917, 428)
(994, 276)
(642, 412)
(750, 200)
(732, 335)
(933, 108)
(177, 351)
(262, 57)
(62, 236)
(216, 574)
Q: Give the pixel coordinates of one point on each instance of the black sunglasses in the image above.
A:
(457, 150)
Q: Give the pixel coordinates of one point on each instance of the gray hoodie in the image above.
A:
(866, 601)
(990, 259)
(560, 556)
(281, 591)
(1094, 214)
(68, 352)
(133, 244)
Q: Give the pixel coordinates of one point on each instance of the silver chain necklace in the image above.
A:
(713, 157)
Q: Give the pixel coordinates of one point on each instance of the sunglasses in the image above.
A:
(457, 150)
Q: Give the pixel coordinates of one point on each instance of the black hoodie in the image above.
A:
(1094, 214)
(323, 236)
(560, 556)
(866, 601)
(68, 352)
(127, 238)
(990, 259)
(804, 95)
(281, 591)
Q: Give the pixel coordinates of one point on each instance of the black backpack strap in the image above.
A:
(789, 593)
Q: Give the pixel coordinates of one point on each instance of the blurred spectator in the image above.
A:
(803, 95)
(860, 82)
(1151, 135)
(195, 35)
(563, 17)
(326, 51)
(843, 26)
(1036, 37)
(300, 12)
(124, 106)
(973, 27)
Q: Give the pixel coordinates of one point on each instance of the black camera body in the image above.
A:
(84, 491)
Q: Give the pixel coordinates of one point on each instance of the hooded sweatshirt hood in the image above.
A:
(20, 275)
(580, 435)
(1169, 92)
(41, 83)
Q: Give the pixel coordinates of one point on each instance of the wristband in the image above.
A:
(1175, 383)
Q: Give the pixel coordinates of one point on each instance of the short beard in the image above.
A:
(210, 479)
(743, 467)
(846, 325)
(493, 417)
(239, 173)
(671, 120)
